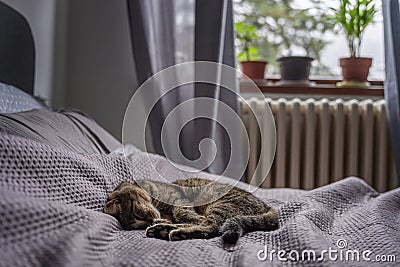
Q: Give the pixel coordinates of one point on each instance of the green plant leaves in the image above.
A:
(253, 55)
(354, 16)
(246, 34)
(245, 31)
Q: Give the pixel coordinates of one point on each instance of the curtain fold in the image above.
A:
(153, 45)
(214, 41)
(169, 32)
(391, 14)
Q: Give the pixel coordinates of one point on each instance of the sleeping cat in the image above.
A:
(236, 213)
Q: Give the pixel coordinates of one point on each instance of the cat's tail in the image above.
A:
(237, 226)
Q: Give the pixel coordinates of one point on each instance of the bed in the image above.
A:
(56, 171)
(58, 167)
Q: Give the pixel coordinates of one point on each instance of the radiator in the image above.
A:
(322, 141)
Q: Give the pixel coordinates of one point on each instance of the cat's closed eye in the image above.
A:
(139, 217)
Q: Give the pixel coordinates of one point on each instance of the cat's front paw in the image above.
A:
(160, 231)
(272, 220)
(179, 234)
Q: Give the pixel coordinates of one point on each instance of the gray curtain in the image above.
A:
(391, 14)
(168, 32)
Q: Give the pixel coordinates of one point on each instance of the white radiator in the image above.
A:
(319, 142)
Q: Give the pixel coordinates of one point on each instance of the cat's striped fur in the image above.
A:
(236, 213)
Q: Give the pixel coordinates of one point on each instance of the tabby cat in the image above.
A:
(236, 213)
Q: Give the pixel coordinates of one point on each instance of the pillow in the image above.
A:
(13, 99)
(67, 129)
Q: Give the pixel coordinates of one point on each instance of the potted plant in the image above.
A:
(353, 16)
(252, 66)
(295, 69)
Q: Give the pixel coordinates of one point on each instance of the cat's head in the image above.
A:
(132, 206)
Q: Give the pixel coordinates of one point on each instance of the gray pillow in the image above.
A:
(68, 129)
(13, 99)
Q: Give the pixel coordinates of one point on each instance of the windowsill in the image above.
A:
(321, 87)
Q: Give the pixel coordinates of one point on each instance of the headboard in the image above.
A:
(17, 50)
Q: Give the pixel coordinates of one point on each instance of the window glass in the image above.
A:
(302, 27)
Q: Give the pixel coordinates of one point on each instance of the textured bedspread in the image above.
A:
(51, 201)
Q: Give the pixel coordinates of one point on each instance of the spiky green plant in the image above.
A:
(354, 16)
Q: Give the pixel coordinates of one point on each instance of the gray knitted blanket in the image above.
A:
(50, 215)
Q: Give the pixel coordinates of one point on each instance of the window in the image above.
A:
(302, 27)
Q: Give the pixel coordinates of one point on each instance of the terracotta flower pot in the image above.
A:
(254, 69)
(355, 69)
(295, 68)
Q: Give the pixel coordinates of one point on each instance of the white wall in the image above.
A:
(100, 75)
(83, 56)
